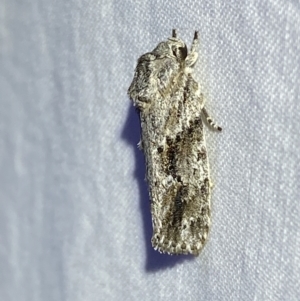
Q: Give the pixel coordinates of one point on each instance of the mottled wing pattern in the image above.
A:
(170, 105)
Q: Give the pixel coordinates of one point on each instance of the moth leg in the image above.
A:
(140, 144)
(210, 121)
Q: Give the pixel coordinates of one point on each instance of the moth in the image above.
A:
(171, 109)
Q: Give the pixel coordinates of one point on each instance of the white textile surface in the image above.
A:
(75, 221)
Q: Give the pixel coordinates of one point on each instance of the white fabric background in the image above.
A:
(74, 215)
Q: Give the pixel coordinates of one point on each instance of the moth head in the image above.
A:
(172, 48)
(178, 49)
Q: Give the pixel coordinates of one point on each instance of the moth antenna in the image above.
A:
(195, 42)
(174, 33)
(196, 35)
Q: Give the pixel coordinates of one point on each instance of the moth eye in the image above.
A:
(183, 52)
(180, 53)
(174, 51)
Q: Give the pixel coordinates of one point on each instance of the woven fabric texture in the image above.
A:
(75, 218)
